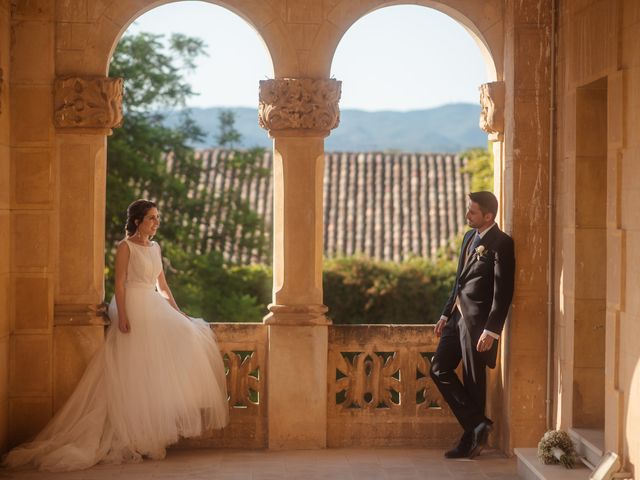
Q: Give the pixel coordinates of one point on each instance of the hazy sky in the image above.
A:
(396, 58)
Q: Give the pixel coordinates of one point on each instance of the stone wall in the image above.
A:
(5, 221)
(31, 203)
(597, 181)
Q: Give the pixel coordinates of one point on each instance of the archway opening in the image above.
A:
(187, 86)
(399, 166)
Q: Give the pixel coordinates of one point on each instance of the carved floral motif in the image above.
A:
(243, 378)
(88, 102)
(492, 113)
(299, 103)
(427, 393)
(368, 380)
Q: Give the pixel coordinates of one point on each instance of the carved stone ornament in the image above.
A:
(492, 113)
(80, 314)
(88, 102)
(299, 104)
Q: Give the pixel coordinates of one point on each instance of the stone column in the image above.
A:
(86, 108)
(5, 220)
(299, 114)
(526, 216)
(492, 122)
(27, 186)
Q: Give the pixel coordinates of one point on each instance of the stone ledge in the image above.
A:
(530, 468)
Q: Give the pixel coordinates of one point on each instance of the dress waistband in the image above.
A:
(142, 285)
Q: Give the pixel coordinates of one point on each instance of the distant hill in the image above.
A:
(449, 128)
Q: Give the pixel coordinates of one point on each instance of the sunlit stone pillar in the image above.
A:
(86, 108)
(27, 226)
(492, 121)
(526, 217)
(299, 114)
(5, 220)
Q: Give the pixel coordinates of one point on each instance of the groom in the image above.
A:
(472, 321)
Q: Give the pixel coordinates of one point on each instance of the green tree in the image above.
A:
(202, 279)
(362, 290)
(480, 167)
(239, 228)
(210, 282)
(154, 73)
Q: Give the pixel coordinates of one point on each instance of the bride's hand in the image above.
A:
(123, 325)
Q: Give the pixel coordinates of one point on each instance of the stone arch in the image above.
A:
(483, 21)
(112, 20)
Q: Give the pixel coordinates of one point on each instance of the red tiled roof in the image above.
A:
(387, 206)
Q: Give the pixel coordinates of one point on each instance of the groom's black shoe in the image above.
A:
(479, 438)
(462, 449)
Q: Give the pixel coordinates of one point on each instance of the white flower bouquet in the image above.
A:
(556, 447)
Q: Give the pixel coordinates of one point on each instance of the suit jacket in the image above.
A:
(484, 287)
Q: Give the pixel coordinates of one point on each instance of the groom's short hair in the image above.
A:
(486, 200)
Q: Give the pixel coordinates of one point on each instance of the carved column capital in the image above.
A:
(88, 102)
(303, 106)
(492, 113)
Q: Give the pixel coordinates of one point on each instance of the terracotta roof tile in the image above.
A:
(387, 206)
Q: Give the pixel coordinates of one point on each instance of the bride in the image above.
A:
(158, 376)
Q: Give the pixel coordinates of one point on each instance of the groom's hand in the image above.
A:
(485, 342)
(440, 326)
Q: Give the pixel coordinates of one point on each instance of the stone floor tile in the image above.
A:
(368, 475)
(469, 476)
(330, 464)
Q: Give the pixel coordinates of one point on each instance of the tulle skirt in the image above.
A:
(142, 391)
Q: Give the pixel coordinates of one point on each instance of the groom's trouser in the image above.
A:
(467, 398)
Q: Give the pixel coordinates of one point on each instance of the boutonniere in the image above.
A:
(480, 250)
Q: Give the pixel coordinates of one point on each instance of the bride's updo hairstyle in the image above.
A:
(136, 212)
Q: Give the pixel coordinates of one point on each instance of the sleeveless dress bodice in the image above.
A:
(145, 264)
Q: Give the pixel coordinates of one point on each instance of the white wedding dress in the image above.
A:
(142, 390)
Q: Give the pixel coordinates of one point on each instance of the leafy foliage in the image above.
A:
(135, 159)
(480, 167)
(361, 290)
(205, 286)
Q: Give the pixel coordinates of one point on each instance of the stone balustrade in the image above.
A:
(379, 389)
(244, 349)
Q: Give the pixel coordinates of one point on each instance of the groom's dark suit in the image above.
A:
(480, 300)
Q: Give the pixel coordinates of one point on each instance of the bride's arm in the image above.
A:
(122, 262)
(165, 291)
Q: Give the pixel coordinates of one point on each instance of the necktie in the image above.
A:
(476, 241)
(473, 246)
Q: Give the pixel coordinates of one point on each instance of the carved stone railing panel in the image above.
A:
(88, 102)
(243, 378)
(380, 391)
(427, 395)
(244, 349)
(302, 104)
(368, 380)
